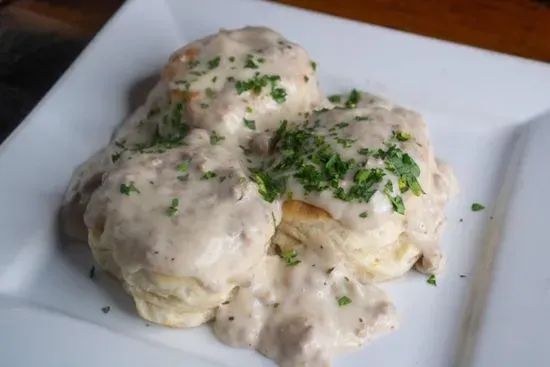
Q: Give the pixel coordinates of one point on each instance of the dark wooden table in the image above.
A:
(518, 27)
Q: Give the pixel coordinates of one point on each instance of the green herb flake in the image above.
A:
(204, 106)
(279, 95)
(432, 280)
(336, 98)
(214, 79)
(222, 178)
(251, 124)
(346, 143)
(269, 187)
(362, 118)
(343, 301)
(173, 208)
(115, 156)
(215, 138)
(363, 215)
(313, 65)
(214, 63)
(127, 189)
(353, 99)
(364, 151)
(250, 64)
(476, 207)
(402, 136)
(210, 92)
(208, 175)
(193, 64)
(290, 257)
(183, 167)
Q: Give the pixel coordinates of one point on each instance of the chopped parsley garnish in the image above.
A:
(208, 175)
(363, 215)
(336, 98)
(290, 257)
(362, 118)
(313, 65)
(173, 208)
(254, 84)
(257, 83)
(278, 94)
(222, 179)
(204, 106)
(120, 144)
(432, 280)
(353, 99)
(183, 167)
(193, 64)
(269, 187)
(402, 136)
(215, 138)
(346, 143)
(396, 201)
(127, 189)
(210, 92)
(214, 79)
(214, 63)
(248, 109)
(250, 64)
(251, 124)
(343, 301)
(115, 156)
(307, 158)
(476, 207)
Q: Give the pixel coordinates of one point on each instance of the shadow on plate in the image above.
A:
(72, 232)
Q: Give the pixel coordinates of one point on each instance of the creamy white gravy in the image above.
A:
(175, 208)
(301, 315)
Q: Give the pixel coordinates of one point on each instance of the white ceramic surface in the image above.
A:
(489, 115)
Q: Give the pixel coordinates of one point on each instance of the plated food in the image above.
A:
(240, 194)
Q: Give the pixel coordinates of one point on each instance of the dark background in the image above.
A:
(39, 39)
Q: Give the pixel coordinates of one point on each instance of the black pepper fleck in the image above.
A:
(156, 252)
(462, 276)
(231, 318)
(92, 272)
(106, 309)
(461, 220)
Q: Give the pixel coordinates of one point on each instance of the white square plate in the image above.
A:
(489, 116)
